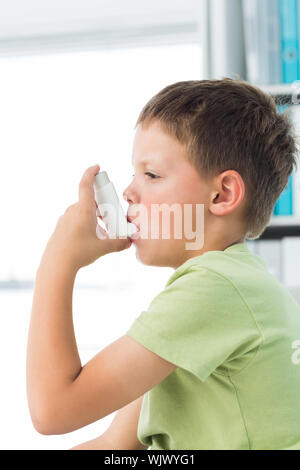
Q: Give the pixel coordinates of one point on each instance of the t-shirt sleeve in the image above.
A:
(198, 322)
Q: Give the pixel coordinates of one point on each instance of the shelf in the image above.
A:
(284, 220)
(281, 89)
(287, 93)
(281, 227)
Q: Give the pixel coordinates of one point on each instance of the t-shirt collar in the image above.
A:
(238, 247)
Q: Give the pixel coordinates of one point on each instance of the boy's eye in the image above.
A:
(152, 176)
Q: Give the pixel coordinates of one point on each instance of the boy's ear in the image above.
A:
(229, 193)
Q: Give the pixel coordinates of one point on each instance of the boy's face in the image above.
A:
(175, 181)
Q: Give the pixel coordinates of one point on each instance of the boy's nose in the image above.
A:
(131, 194)
(127, 195)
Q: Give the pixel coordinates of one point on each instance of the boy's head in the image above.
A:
(220, 143)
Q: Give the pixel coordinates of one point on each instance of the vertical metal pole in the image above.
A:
(203, 16)
(227, 46)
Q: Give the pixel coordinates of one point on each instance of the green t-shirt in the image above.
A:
(234, 332)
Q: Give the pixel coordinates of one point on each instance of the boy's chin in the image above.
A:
(155, 255)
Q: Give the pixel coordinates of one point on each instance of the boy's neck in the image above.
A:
(209, 247)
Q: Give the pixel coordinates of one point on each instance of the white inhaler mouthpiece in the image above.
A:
(110, 207)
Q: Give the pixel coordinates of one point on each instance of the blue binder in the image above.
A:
(289, 40)
(284, 205)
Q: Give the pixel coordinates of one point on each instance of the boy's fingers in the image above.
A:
(86, 186)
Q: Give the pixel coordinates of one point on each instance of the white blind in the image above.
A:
(60, 114)
(115, 38)
(35, 26)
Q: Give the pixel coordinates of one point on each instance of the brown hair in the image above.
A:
(230, 125)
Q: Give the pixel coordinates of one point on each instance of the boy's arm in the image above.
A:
(63, 395)
(122, 433)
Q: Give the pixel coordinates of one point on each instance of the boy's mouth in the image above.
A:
(137, 234)
(129, 219)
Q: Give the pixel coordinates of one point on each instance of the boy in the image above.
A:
(214, 363)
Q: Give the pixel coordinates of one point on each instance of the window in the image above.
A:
(59, 114)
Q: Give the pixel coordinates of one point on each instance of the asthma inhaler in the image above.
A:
(115, 220)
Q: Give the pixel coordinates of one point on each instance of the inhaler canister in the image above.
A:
(113, 218)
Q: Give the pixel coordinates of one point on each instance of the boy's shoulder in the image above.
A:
(234, 263)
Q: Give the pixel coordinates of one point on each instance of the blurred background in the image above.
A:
(74, 75)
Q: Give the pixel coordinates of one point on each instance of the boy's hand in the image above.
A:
(78, 239)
